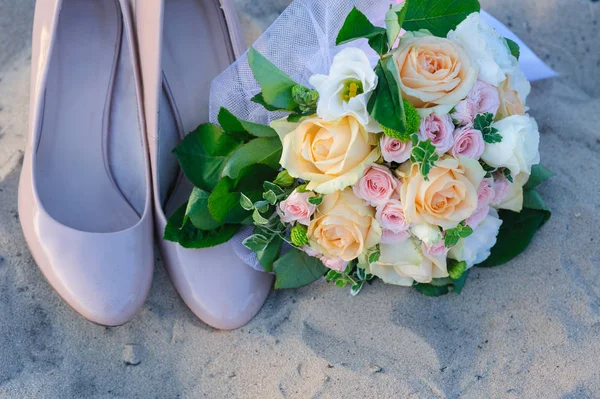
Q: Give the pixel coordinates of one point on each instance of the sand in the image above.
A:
(530, 329)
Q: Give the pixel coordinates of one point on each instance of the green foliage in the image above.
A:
(424, 154)
(413, 123)
(267, 246)
(264, 151)
(259, 99)
(298, 235)
(483, 123)
(316, 200)
(358, 26)
(275, 84)
(296, 269)
(394, 19)
(454, 235)
(438, 17)
(203, 153)
(197, 210)
(442, 286)
(515, 50)
(539, 174)
(243, 129)
(385, 105)
(183, 232)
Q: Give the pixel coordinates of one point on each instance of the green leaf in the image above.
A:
(333, 275)
(224, 202)
(356, 288)
(246, 202)
(231, 124)
(483, 123)
(442, 286)
(515, 50)
(431, 290)
(394, 19)
(533, 200)
(454, 235)
(296, 269)
(516, 233)
(189, 236)
(268, 186)
(264, 151)
(259, 99)
(258, 218)
(197, 210)
(284, 179)
(318, 200)
(270, 253)
(375, 255)
(275, 84)
(439, 17)
(358, 26)
(539, 174)
(425, 155)
(203, 153)
(270, 197)
(385, 105)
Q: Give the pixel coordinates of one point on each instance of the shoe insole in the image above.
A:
(196, 48)
(89, 66)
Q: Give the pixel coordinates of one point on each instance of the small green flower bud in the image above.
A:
(413, 123)
(457, 270)
(298, 235)
(305, 97)
(284, 179)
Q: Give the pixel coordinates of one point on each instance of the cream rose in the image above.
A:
(513, 201)
(434, 72)
(343, 227)
(447, 198)
(329, 155)
(511, 102)
(405, 262)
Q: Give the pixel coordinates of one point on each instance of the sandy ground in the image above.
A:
(530, 329)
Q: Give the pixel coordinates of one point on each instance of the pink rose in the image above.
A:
(296, 208)
(435, 250)
(439, 129)
(485, 195)
(393, 150)
(395, 227)
(501, 186)
(332, 263)
(468, 142)
(482, 99)
(376, 186)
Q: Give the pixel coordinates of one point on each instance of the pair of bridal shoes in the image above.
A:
(116, 84)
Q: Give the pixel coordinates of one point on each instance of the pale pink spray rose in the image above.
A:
(435, 250)
(296, 208)
(332, 263)
(501, 186)
(485, 196)
(439, 129)
(468, 142)
(395, 227)
(482, 99)
(376, 186)
(393, 150)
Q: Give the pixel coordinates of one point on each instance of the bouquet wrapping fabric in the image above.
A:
(368, 139)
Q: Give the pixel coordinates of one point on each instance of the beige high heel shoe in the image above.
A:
(85, 191)
(200, 39)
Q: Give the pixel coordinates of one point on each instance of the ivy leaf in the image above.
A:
(454, 235)
(231, 124)
(264, 151)
(483, 123)
(356, 288)
(296, 269)
(438, 17)
(203, 153)
(394, 19)
(424, 154)
(357, 26)
(276, 85)
(189, 236)
(508, 174)
(271, 252)
(256, 242)
(385, 105)
(515, 50)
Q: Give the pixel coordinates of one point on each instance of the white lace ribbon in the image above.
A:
(301, 42)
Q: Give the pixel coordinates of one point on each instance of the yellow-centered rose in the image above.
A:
(329, 155)
(434, 71)
(343, 227)
(447, 198)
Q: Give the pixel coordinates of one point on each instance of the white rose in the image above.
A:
(427, 233)
(519, 148)
(404, 263)
(514, 196)
(347, 89)
(486, 48)
(477, 247)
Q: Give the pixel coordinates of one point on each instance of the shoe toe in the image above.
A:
(217, 286)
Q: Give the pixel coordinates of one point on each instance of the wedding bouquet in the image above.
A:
(411, 161)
